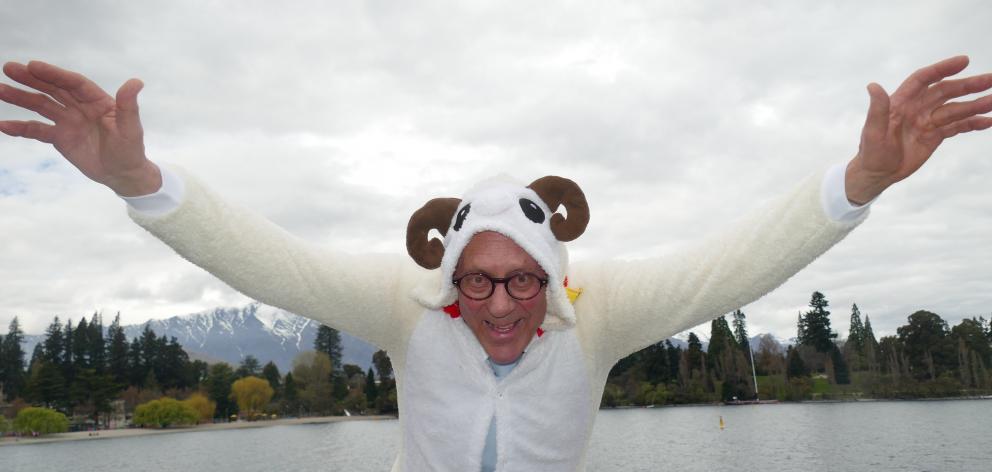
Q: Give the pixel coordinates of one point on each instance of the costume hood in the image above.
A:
(525, 214)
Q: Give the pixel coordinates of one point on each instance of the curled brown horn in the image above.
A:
(556, 191)
(435, 214)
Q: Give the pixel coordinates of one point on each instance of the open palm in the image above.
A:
(100, 135)
(903, 131)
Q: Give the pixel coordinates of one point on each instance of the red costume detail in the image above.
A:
(453, 310)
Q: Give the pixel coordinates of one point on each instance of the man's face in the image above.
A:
(502, 324)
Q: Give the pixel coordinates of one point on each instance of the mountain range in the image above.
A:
(230, 334)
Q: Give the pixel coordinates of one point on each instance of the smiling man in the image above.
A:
(501, 348)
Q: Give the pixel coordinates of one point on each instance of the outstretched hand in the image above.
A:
(903, 130)
(99, 134)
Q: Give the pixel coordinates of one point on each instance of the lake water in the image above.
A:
(870, 436)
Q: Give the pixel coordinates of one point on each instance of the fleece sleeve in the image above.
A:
(631, 304)
(363, 295)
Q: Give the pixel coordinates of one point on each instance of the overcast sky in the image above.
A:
(338, 119)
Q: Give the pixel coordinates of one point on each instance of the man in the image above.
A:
(501, 356)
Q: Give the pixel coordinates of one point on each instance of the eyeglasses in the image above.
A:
(519, 285)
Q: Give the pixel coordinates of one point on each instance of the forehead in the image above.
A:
(495, 254)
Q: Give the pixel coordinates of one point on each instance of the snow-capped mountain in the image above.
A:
(230, 334)
(268, 333)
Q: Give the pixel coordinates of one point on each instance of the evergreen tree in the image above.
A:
(371, 392)
(54, 343)
(81, 346)
(869, 335)
(137, 370)
(841, 374)
(68, 361)
(856, 335)
(12, 365)
(795, 367)
(721, 339)
(290, 396)
(271, 373)
(328, 341)
(249, 367)
(815, 325)
(117, 352)
(148, 349)
(674, 354)
(46, 386)
(219, 389)
(740, 330)
(97, 344)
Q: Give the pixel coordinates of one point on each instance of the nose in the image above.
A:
(501, 303)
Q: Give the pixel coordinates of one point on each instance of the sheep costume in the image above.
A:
(448, 395)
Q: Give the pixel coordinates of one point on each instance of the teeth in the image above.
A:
(503, 329)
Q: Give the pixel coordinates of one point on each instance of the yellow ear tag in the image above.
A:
(573, 293)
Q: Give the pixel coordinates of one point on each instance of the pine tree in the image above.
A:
(136, 368)
(371, 392)
(856, 335)
(328, 341)
(81, 345)
(740, 330)
(271, 373)
(842, 375)
(97, 344)
(219, 389)
(795, 367)
(13, 360)
(815, 325)
(68, 361)
(290, 396)
(54, 343)
(117, 352)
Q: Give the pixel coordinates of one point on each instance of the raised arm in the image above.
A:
(102, 136)
(646, 301)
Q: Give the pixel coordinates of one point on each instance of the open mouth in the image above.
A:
(503, 329)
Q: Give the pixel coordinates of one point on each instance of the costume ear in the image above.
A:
(435, 214)
(556, 191)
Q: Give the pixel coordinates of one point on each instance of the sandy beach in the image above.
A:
(131, 432)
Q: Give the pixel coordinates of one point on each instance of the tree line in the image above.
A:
(81, 369)
(925, 358)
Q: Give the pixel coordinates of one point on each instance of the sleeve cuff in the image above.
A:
(163, 201)
(833, 197)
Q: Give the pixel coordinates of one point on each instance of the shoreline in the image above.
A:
(135, 432)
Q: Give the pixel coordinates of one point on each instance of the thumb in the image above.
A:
(128, 121)
(877, 121)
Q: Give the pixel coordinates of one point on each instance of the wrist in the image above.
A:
(145, 180)
(863, 186)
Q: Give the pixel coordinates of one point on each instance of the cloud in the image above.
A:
(338, 120)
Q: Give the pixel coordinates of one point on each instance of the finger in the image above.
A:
(39, 103)
(957, 111)
(951, 89)
(128, 119)
(975, 123)
(81, 88)
(19, 73)
(29, 129)
(918, 81)
(877, 121)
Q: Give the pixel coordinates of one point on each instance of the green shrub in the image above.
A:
(41, 421)
(164, 412)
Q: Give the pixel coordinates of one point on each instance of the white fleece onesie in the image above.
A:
(447, 392)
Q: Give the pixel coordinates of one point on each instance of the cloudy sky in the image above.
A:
(338, 119)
